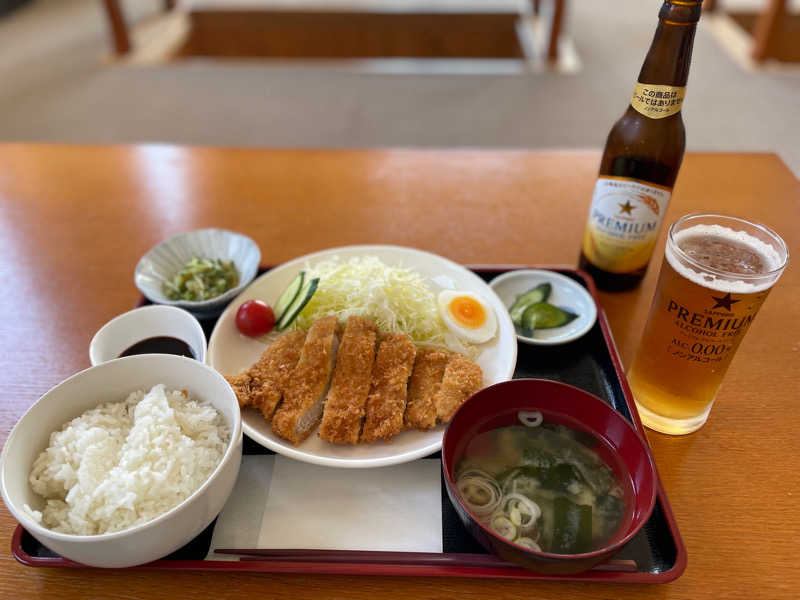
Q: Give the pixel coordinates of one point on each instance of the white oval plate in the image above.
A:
(566, 294)
(231, 352)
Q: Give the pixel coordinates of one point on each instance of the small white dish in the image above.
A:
(169, 257)
(139, 324)
(113, 381)
(566, 294)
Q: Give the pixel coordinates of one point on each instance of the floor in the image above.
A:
(57, 83)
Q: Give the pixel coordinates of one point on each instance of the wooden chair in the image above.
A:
(119, 27)
(769, 23)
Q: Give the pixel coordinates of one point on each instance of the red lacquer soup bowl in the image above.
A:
(617, 443)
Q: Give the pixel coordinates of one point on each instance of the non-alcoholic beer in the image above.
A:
(717, 271)
(641, 159)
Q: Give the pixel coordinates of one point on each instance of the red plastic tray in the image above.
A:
(656, 555)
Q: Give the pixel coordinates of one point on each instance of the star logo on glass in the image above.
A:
(626, 208)
(724, 302)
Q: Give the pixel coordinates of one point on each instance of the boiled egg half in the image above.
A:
(466, 315)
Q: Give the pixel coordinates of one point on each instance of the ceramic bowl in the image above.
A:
(169, 257)
(122, 332)
(566, 293)
(111, 381)
(618, 444)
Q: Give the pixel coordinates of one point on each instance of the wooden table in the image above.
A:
(76, 219)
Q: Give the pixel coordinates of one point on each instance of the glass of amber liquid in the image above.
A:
(716, 274)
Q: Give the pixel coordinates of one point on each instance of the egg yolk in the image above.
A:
(467, 312)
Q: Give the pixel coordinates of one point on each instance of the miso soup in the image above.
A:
(543, 486)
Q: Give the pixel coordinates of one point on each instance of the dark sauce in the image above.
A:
(160, 345)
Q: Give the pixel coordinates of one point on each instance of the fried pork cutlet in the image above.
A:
(429, 367)
(301, 409)
(273, 371)
(263, 384)
(462, 378)
(386, 402)
(344, 406)
(241, 384)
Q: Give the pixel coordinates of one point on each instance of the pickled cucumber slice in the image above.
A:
(538, 294)
(543, 315)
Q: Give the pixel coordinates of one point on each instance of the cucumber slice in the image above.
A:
(290, 314)
(538, 294)
(543, 315)
(289, 294)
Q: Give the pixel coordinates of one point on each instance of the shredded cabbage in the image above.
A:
(397, 299)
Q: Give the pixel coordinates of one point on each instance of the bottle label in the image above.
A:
(657, 101)
(624, 223)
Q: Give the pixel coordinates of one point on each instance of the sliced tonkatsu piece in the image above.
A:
(462, 378)
(426, 378)
(263, 384)
(386, 402)
(344, 405)
(241, 383)
(272, 372)
(301, 409)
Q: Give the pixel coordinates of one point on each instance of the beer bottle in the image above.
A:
(642, 156)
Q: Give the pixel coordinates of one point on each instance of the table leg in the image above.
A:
(768, 24)
(555, 29)
(119, 28)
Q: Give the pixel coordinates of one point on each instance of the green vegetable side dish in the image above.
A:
(538, 294)
(531, 311)
(544, 316)
(202, 279)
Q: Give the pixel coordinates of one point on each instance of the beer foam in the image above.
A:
(768, 254)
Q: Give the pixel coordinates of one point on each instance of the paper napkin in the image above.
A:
(279, 502)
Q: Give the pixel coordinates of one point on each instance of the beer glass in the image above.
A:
(716, 273)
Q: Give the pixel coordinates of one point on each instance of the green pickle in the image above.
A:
(542, 315)
(538, 294)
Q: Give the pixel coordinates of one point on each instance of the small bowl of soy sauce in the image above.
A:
(155, 329)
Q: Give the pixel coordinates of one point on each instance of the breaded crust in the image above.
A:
(301, 408)
(386, 402)
(241, 387)
(462, 378)
(272, 372)
(425, 381)
(344, 405)
(263, 384)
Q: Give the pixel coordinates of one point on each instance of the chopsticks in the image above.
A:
(404, 558)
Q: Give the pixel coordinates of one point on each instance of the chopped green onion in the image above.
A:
(480, 492)
(502, 526)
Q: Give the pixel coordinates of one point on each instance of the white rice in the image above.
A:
(125, 463)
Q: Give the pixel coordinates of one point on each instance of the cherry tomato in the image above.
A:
(255, 318)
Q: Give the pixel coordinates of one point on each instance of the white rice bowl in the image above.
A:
(133, 534)
(125, 463)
